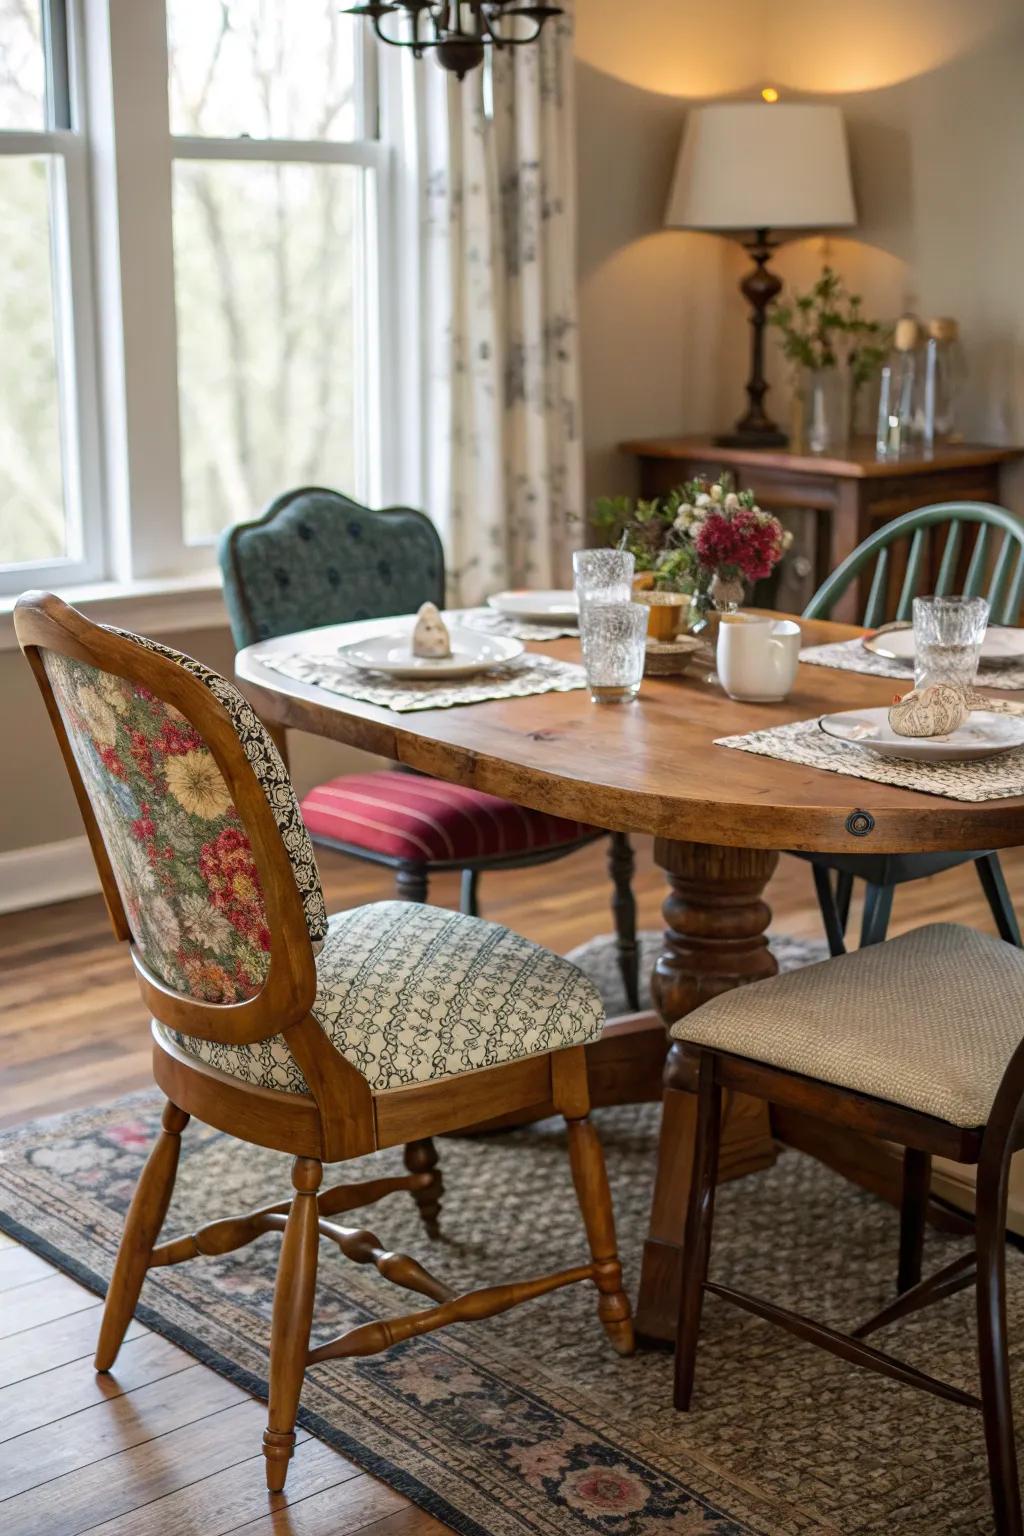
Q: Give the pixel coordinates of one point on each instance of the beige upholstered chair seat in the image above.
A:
(929, 1020)
(409, 993)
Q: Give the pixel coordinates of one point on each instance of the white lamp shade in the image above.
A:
(751, 165)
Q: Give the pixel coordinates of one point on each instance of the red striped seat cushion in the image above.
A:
(427, 821)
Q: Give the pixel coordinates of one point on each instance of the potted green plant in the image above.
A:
(833, 351)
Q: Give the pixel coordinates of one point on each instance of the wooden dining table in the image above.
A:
(719, 819)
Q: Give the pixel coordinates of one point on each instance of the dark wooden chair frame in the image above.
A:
(412, 877)
(1004, 592)
(341, 1117)
(990, 1147)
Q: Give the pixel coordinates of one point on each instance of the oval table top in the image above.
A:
(650, 766)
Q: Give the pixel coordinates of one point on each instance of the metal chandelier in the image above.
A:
(459, 31)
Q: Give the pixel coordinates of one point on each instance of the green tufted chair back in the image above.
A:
(316, 557)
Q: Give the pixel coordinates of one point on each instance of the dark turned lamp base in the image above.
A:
(771, 438)
(760, 288)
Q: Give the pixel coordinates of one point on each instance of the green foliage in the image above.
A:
(659, 532)
(825, 327)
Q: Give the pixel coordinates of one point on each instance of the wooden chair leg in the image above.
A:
(996, 1398)
(834, 928)
(917, 1178)
(621, 865)
(993, 883)
(469, 887)
(877, 911)
(141, 1229)
(844, 894)
(421, 1157)
(590, 1177)
(699, 1220)
(293, 1317)
(412, 882)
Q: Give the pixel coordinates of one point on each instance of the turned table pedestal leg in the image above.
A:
(714, 940)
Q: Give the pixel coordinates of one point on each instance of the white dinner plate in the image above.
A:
(1001, 647)
(537, 607)
(390, 651)
(983, 735)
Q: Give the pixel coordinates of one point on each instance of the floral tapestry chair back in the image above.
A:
(203, 855)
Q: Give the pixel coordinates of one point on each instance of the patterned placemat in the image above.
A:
(851, 656)
(803, 741)
(515, 679)
(492, 623)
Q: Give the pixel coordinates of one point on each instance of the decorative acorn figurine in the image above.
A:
(933, 711)
(430, 637)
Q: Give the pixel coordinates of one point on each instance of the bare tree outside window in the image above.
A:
(266, 268)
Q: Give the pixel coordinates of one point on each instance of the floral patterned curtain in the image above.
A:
(501, 452)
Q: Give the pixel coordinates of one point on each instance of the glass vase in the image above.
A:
(826, 409)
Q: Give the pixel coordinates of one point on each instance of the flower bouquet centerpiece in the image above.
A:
(704, 539)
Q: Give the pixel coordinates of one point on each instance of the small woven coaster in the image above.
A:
(515, 679)
(803, 741)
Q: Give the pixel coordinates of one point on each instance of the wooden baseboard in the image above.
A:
(46, 872)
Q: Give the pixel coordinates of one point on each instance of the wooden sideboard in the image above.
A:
(849, 495)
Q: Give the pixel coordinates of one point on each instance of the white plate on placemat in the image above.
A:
(537, 607)
(984, 734)
(390, 651)
(1002, 646)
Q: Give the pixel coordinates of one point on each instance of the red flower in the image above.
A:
(175, 740)
(112, 762)
(746, 541)
(227, 865)
(142, 753)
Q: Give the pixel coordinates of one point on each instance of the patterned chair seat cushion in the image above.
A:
(405, 816)
(409, 993)
(929, 1020)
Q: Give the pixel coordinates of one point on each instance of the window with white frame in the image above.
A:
(49, 491)
(237, 231)
(273, 182)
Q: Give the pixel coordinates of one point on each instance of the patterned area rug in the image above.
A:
(529, 1425)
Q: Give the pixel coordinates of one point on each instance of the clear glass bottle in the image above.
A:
(899, 391)
(945, 373)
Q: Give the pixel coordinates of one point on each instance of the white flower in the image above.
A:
(161, 919)
(203, 923)
(99, 716)
(684, 517)
(716, 492)
(731, 502)
(702, 499)
(139, 869)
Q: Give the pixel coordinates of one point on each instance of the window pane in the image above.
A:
(265, 278)
(265, 68)
(22, 70)
(32, 520)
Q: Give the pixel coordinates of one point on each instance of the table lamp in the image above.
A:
(754, 168)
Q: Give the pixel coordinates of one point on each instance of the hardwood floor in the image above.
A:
(163, 1446)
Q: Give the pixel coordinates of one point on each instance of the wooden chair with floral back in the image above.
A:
(321, 1038)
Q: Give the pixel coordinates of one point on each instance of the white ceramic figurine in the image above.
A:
(430, 636)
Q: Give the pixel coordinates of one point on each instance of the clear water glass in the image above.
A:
(948, 632)
(603, 576)
(613, 636)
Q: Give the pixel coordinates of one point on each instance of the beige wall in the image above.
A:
(930, 90)
(36, 803)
